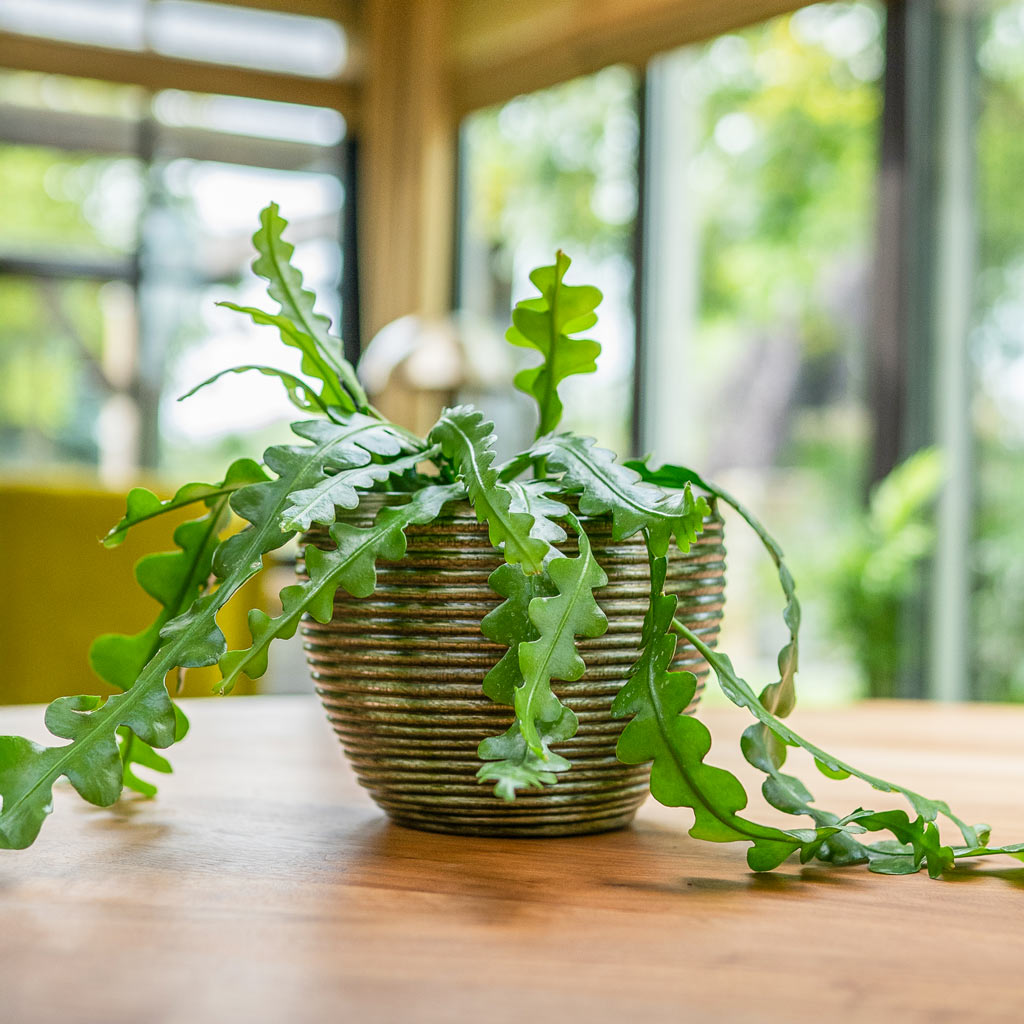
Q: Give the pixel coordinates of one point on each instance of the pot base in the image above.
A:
(468, 826)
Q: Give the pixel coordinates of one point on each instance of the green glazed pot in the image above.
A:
(400, 673)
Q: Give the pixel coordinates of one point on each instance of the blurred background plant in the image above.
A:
(877, 569)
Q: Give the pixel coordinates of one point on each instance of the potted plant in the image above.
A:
(368, 492)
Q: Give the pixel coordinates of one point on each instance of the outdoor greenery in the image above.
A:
(550, 597)
(877, 569)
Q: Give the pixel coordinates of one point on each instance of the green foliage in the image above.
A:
(174, 579)
(466, 439)
(301, 395)
(530, 497)
(320, 504)
(545, 324)
(350, 565)
(142, 504)
(655, 700)
(788, 794)
(877, 565)
(300, 326)
(522, 755)
(609, 488)
(192, 639)
(778, 697)
(549, 600)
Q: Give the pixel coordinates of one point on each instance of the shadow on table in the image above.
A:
(648, 861)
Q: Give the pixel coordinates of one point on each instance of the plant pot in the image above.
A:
(400, 673)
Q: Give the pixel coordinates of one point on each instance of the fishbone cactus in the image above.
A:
(551, 598)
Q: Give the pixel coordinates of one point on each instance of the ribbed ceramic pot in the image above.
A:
(400, 673)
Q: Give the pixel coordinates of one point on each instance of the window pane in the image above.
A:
(761, 221)
(201, 250)
(65, 347)
(249, 38)
(67, 202)
(100, 22)
(557, 169)
(180, 224)
(242, 115)
(998, 351)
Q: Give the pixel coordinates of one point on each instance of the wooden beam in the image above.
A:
(503, 48)
(155, 71)
(89, 133)
(406, 187)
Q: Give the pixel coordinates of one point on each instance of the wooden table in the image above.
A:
(262, 885)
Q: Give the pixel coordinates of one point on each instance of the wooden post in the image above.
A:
(408, 173)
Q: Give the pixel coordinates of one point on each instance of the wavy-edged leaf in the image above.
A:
(532, 497)
(655, 699)
(174, 579)
(522, 754)
(509, 624)
(779, 697)
(91, 760)
(545, 324)
(143, 505)
(351, 565)
(781, 792)
(349, 467)
(466, 438)
(608, 487)
(301, 395)
(322, 353)
(314, 364)
(341, 490)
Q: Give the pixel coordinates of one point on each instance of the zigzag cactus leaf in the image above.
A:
(523, 753)
(143, 505)
(610, 488)
(509, 624)
(351, 565)
(300, 394)
(779, 697)
(466, 438)
(530, 496)
(174, 579)
(920, 834)
(655, 698)
(303, 328)
(91, 762)
(341, 490)
(545, 323)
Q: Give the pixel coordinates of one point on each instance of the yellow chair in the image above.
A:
(60, 588)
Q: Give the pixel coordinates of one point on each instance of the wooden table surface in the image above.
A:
(263, 885)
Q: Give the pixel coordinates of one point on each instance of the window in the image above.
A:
(756, 240)
(558, 168)
(128, 209)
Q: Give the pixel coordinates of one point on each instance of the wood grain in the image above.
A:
(501, 48)
(263, 885)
